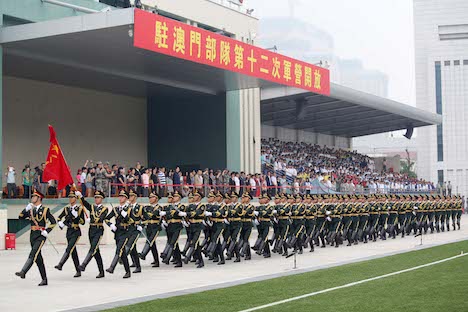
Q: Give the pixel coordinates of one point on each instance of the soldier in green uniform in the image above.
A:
(320, 221)
(235, 217)
(437, 213)
(152, 215)
(190, 207)
(196, 217)
(393, 217)
(175, 216)
(374, 216)
(227, 225)
(73, 216)
(38, 216)
(334, 220)
(274, 240)
(298, 225)
(218, 217)
(443, 213)
(211, 207)
(448, 213)
(164, 225)
(248, 214)
(97, 215)
(284, 214)
(121, 214)
(355, 218)
(265, 213)
(134, 230)
(384, 215)
(347, 220)
(430, 213)
(363, 220)
(309, 216)
(459, 209)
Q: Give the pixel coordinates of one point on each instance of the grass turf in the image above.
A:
(436, 288)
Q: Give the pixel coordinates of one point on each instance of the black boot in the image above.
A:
(177, 257)
(169, 253)
(25, 268)
(86, 261)
(257, 244)
(144, 252)
(164, 253)
(154, 251)
(43, 283)
(201, 263)
(188, 255)
(113, 264)
(64, 259)
(236, 252)
(100, 265)
(248, 255)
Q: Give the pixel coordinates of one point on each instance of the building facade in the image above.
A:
(441, 55)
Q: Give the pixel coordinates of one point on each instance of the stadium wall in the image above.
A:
(293, 135)
(89, 124)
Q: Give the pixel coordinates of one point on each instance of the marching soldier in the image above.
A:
(191, 206)
(235, 228)
(309, 222)
(298, 225)
(38, 216)
(175, 216)
(320, 222)
(264, 214)
(73, 214)
(97, 215)
(196, 217)
(218, 214)
(392, 217)
(347, 220)
(227, 224)
(284, 224)
(459, 211)
(134, 230)
(152, 219)
(275, 222)
(121, 214)
(248, 214)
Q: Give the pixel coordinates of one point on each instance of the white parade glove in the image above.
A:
(203, 222)
(123, 213)
(256, 213)
(44, 233)
(185, 224)
(113, 227)
(275, 212)
(414, 212)
(139, 228)
(255, 221)
(74, 213)
(29, 207)
(328, 213)
(209, 223)
(88, 220)
(61, 224)
(182, 214)
(162, 213)
(275, 220)
(78, 193)
(163, 225)
(208, 214)
(226, 221)
(328, 219)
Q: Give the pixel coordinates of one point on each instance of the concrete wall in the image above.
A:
(3, 225)
(292, 135)
(89, 124)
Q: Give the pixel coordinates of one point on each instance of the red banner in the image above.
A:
(164, 35)
(56, 167)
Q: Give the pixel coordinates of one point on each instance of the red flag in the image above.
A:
(56, 167)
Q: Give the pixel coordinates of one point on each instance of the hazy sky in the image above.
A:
(379, 32)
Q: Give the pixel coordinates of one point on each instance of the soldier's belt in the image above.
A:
(335, 216)
(124, 225)
(402, 213)
(217, 219)
(264, 219)
(37, 228)
(310, 217)
(354, 214)
(195, 220)
(246, 220)
(154, 222)
(96, 224)
(283, 218)
(346, 215)
(297, 217)
(374, 213)
(175, 221)
(234, 219)
(75, 226)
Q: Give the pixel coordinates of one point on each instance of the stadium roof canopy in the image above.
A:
(96, 51)
(346, 112)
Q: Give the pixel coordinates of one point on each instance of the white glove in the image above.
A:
(139, 228)
(256, 213)
(226, 221)
(78, 193)
(88, 220)
(414, 212)
(208, 214)
(255, 221)
(162, 213)
(163, 225)
(275, 212)
(113, 227)
(328, 213)
(185, 224)
(29, 207)
(182, 214)
(74, 213)
(209, 223)
(203, 222)
(44, 233)
(328, 219)
(123, 213)
(61, 224)
(275, 220)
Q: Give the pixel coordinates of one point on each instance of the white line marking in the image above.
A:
(352, 284)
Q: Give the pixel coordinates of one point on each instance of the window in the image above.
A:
(440, 143)
(440, 176)
(447, 63)
(465, 62)
(456, 63)
(438, 87)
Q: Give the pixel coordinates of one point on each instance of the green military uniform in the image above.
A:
(265, 213)
(73, 217)
(218, 216)
(310, 224)
(152, 219)
(134, 231)
(195, 217)
(235, 224)
(97, 215)
(38, 217)
(248, 213)
(176, 213)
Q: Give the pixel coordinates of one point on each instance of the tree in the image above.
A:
(407, 166)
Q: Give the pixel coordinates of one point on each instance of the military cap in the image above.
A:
(266, 196)
(247, 195)
(99, 194)
(72, 194)
(176, 194)
(152, 194)
(219, 194)
(278, 196)
(170, 195)
(132, 193)
(234, 195)
(190, 195)
(123, 193)
(211, 194)
(196, 193)
(38, 194)
(227, 196)
(299, 196)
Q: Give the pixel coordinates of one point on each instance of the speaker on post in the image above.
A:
(409, 132)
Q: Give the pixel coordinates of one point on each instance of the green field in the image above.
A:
(441, 287)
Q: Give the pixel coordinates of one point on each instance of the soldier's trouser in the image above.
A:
(152, 232)
(362, 228)
(437, 221)
(189, 231)
(94, 240)
(194, 242)
(36, 256)
(263, 229)
(244, 237)
(283, 232)
(120, 253)
(217, 231)
(71, 250)
(442, 221)
(133, 236)
(233, 244)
